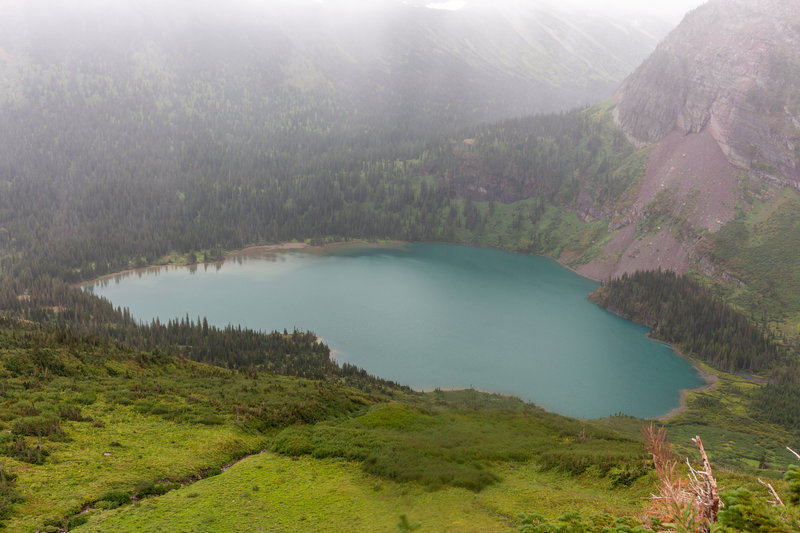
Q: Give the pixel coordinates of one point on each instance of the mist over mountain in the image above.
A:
(123, 93)
(389, 63)
(173, 93)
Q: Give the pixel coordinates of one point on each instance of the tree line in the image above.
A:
(78, 315)
(681, 311)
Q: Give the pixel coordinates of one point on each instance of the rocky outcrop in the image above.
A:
(719, 98)
(731, 68)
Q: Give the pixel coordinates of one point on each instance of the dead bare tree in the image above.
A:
(776, 500)
(689, 504)
(703, 488)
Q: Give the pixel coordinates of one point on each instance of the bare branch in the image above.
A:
(794, 452)
(703, 487)
(691, 502)
(777, 499)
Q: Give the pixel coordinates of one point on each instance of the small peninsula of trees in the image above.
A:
(681, 311)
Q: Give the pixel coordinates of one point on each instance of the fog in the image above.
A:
(429, 66)
(115, 20)
(670, 11)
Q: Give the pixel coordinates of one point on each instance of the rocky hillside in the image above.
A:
(718, 105)
(732, 69)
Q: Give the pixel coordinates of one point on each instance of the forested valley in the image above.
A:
(114, 158)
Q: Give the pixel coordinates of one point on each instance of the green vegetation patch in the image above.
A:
(763, 251)
(446, 446)
(270, 492)
(114, 423)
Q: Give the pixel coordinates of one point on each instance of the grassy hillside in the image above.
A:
(761, 249)
(269, 492)
(100, 437)
(93, 425)
(85, 418)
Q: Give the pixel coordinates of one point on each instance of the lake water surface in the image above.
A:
(435, 316)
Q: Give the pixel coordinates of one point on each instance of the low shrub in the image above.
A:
(113, 499)
(574, 522)
(86, 398)
(25, 408)
(37, 426)
(294, 441)
(154, 488)
(434, 472)
(209, 419)
(76, 521)
(70, 412)
(8, 494)
(19, 449)
(624, 476)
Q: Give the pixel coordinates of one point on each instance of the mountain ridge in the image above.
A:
(738, 82)
(719, 111)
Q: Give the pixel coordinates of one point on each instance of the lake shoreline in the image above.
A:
(243, 253)
(710, 379)
(268, 249)
(289, 246)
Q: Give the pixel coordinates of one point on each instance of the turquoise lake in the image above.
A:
(430, 316)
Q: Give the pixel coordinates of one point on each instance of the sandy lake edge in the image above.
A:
(250, 251)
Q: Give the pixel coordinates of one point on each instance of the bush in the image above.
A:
(793, 477)
(434, 472)
(209, 419)
(154, 488)
(19, 449)
(77, 520)
(573, 522)
(8, 494)
(211, 472)
(25, 408)
(37, 426)
(86, 398)
(293, 441)
(113, 499)
(70, 412)
(623, 477)
(744, 511)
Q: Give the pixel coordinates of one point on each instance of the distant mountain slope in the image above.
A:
(315, 63)
(149, 99)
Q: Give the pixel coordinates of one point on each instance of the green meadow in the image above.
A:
(271, 492)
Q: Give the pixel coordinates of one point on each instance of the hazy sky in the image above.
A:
(671, 8)
(667, 13)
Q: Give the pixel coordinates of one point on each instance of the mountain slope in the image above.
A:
(738, 81)
(319, 64)
(718, 105)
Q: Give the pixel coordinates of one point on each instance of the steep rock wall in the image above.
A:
(730, 67)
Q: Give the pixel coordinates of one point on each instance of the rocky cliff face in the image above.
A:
(730, 68)
(718, 99)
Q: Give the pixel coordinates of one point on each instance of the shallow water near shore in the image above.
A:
(430, 315)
